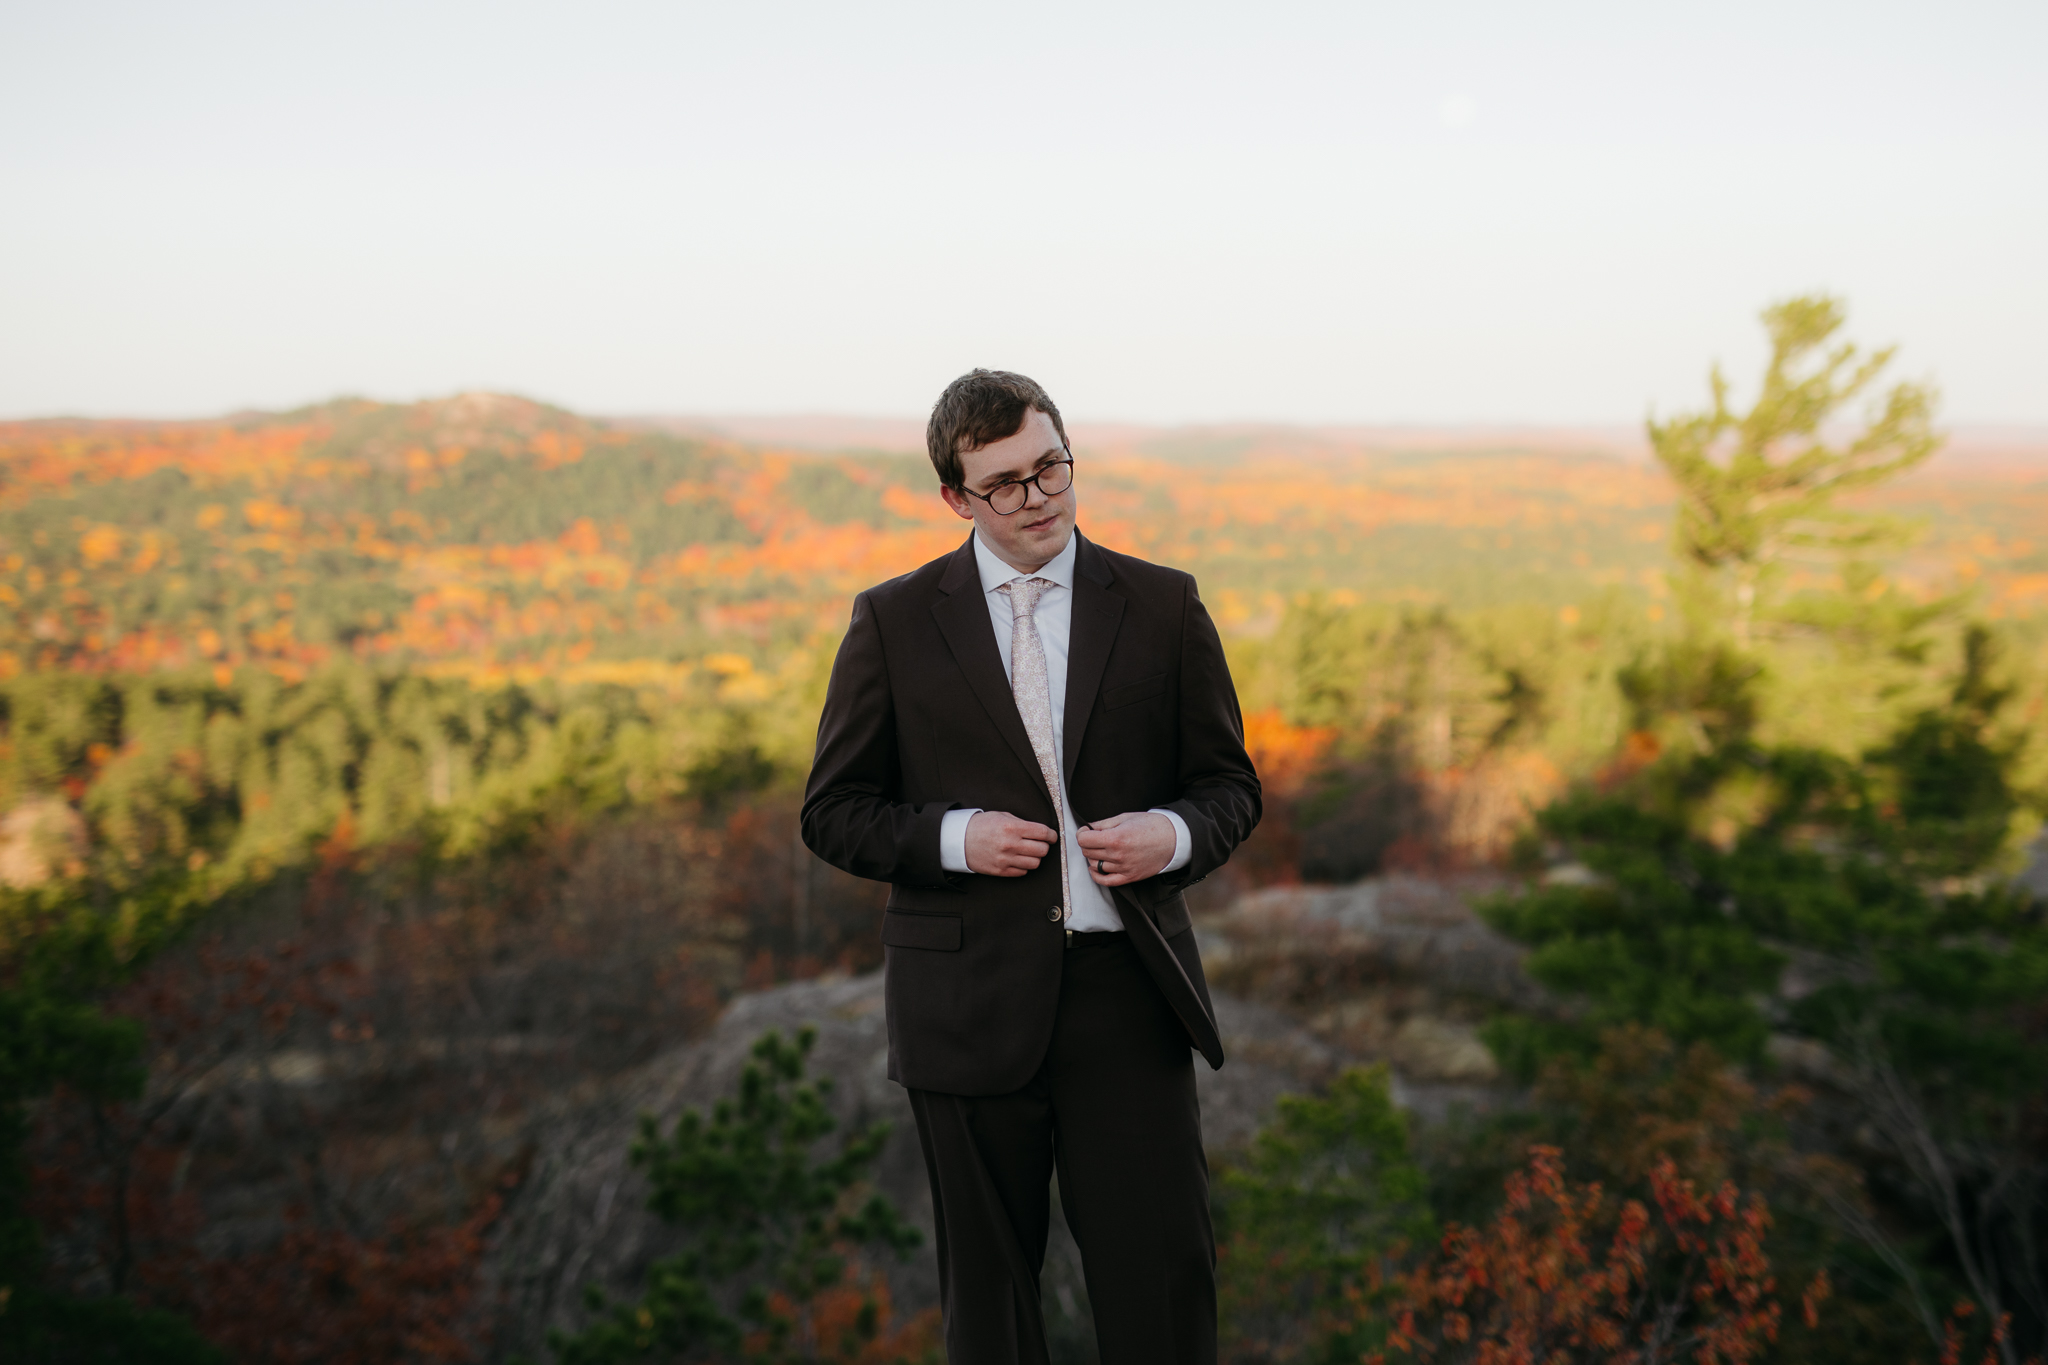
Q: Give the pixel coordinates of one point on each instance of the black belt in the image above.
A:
(1099, 938)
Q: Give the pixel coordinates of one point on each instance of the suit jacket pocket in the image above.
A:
(938, 933)
(1172, 917)
(1143, 690)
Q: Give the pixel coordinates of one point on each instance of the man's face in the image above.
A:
(1033, 534)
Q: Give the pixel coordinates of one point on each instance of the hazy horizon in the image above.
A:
(1966, 446)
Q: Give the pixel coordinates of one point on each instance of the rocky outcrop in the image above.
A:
(580, 1218)
(1395, 969)
(1398, 928)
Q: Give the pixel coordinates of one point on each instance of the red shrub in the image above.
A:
(1687, 1281)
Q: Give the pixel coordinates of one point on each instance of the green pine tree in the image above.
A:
(1758, 487)
(768, 1226)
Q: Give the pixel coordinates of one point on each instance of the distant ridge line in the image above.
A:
(835, 431)
(1970, 448)
(1982, 450)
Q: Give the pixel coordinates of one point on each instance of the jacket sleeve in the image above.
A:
(853, 813)
(1219, 789)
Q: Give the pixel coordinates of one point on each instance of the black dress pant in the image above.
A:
(1113, 1109)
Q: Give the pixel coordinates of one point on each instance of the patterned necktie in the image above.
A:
(1033, 691)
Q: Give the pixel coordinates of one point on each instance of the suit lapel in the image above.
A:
(1097, 613)
(963, 619)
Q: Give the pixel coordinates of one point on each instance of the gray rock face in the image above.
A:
(580, 1217)
(1396, 969)
(1310, 980)
(1398, 927)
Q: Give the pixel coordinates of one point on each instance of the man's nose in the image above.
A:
(1034, 496)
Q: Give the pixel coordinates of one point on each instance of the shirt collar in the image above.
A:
(994, 573)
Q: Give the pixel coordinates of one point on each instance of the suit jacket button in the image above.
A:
(1053, 914)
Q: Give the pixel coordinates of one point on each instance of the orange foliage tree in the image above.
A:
(1687, 1280)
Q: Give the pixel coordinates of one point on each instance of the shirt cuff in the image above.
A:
(953, 839)
(1183, 842)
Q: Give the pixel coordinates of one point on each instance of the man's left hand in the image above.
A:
(1127, 848)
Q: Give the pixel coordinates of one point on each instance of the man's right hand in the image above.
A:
(1001, 845)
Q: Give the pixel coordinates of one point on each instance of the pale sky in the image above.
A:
(1433, 213)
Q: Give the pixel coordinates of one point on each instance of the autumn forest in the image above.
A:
(378, 779)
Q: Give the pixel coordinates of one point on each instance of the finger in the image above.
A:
(1031, 848)
(1029, 830)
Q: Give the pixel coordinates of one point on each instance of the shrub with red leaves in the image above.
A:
(324, 1297)
(1686, 1280)
(1998, 1349)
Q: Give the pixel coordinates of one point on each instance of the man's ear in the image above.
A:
(962, 505)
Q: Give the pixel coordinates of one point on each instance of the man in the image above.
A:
(1036, 742)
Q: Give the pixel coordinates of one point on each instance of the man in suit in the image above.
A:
(1036, 742)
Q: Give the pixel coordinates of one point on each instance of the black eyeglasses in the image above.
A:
(1008, 498)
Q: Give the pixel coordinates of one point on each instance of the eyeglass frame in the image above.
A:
(1032, 482)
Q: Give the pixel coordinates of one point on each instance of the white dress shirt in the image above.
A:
(1094, 908)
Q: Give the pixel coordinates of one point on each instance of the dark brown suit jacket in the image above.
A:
(919, 720)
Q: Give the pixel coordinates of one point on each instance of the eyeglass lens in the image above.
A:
(1052, 481)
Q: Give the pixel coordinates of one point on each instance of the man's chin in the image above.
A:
(1052, 531)
(1025, 543)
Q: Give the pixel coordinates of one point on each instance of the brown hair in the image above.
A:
(980, 408)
